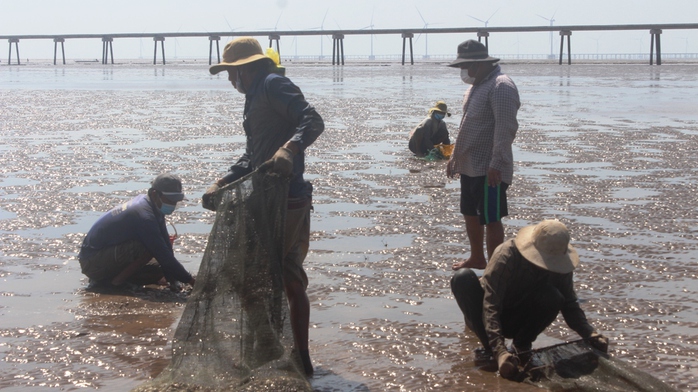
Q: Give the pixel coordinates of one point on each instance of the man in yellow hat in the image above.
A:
(431, 131)
(528, 281)
(279, 124)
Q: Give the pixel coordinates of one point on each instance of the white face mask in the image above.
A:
(238, 83)
(465, 78)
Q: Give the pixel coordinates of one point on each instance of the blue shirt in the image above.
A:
(136, 220)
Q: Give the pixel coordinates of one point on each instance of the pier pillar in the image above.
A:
(55, 49)
(656, 33)
(568, 34)
(485, 34)
(338, 48)
(107, 49)
(160, 39)
(9, 56)
(272, 38)
(406, 36)
(210, 48)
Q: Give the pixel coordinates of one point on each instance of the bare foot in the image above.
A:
(470, 263)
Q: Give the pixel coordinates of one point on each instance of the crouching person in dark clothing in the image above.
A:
(131, 244)
(527, 282)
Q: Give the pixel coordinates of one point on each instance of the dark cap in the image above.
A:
(472, 51)
(170, 185)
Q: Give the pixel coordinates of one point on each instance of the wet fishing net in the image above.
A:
(576, 367)
(235, 332)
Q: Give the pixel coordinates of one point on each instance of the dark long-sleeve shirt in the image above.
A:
(276, 112)
(508, 278)
(136, 220)
(427, 134)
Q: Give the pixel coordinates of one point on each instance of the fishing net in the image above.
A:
(235, 333)
(576, 367)
(433, 155)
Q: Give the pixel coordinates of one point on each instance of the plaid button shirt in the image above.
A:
(488, 127)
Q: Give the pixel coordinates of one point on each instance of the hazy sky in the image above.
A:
(160, 16)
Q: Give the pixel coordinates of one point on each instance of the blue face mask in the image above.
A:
(438, 116)
(167, 209)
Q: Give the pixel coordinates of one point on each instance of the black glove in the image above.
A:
(281, 162)
(208, 199)
(598, 341)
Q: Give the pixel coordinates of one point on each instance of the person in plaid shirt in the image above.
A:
(482, 155)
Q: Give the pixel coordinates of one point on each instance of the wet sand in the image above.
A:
(608, 150)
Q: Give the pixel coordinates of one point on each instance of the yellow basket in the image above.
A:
(445, 149)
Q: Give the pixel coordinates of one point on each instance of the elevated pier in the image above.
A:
(338, 36)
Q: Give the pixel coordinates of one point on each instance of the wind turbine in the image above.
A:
(426, 41)
(176, 43)
(485, 21)
(371, 57)
(641, 43)
(231, 27)
(518, 45)
(551, 20)
(321, 28)
(275, 25)
(140, 55)
(294, 43)
(597, 45)
(278, 19)
(686, 39)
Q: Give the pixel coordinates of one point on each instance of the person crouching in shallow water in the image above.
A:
(121, 245)
(483, 155)
(431, 131)
(280, 124)
(527, 282)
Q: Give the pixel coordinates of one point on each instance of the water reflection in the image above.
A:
(383, 235)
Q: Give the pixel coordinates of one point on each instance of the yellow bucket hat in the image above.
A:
(242, 50)
(440, 106)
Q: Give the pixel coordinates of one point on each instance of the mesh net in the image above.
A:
(439, 152)
(577, 367)
(235, 333)
(433, 155)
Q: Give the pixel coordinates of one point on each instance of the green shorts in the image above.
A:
(489, 203)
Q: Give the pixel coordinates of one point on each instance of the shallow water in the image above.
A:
(607, 149)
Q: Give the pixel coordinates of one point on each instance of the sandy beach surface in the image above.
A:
(610, 150)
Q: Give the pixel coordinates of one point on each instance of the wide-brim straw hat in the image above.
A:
(547, 245)
(472, 51)
(440, 106)
(242, 50)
